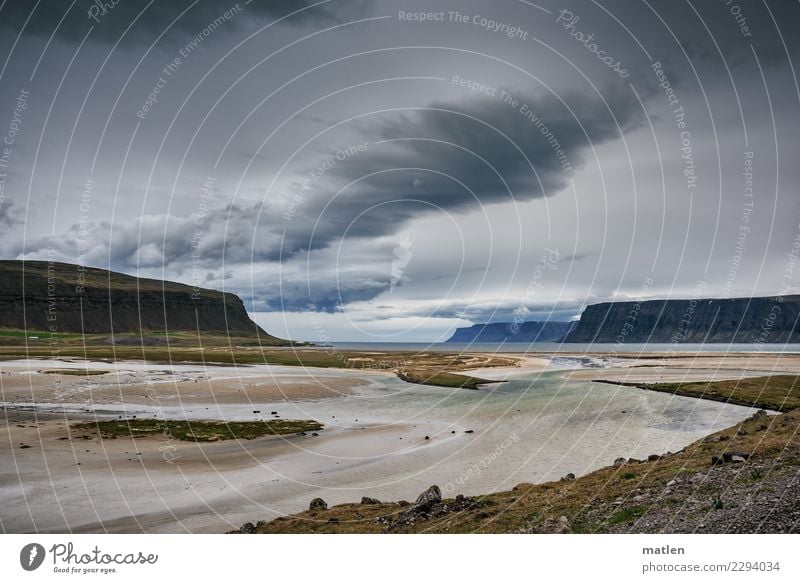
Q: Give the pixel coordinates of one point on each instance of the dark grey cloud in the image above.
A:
(451, 157)
(445, 158)
(320, 293)
(429, 168)
(148, 19)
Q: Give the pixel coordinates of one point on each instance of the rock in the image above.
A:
(563, 525)
(318, 504)
(715, 461)
(247, 528)
(619, 462)
(731, 320)
(759, 413)
(729, 455)
(762, 428)
(742, 432)
(368, 500)
(653, 457)
(102, 304)
(559, 526)
(428, 498)
(403, 503)
(671, 483)
(737, 459)
(568, 477)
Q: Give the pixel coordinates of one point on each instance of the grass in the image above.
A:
(441, 379)
(201, 431)
(627, 514)
(777, 392)
(76, 372)
(430, 368)
(40, 334)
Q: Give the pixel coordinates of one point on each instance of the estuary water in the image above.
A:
(386, 439)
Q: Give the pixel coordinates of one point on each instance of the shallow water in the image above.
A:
(534, 427)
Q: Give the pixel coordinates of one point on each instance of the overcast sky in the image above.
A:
(391, 170)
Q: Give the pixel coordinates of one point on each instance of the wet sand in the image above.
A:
(692, 367)
(38, 381)
(536, 427)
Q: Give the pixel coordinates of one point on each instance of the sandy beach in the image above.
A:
(382, 437)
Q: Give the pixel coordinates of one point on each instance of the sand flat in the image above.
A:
(537, 426)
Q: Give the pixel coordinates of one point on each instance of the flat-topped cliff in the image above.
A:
(736, 320)
(60, 297)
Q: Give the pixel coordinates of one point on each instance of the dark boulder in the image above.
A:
(318, 504)
(428, 498)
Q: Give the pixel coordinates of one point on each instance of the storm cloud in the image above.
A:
(372, 168)
(143, 21)
(450, 157)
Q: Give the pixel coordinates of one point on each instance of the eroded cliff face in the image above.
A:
(509, 332)
(60, 297)
(739, 320)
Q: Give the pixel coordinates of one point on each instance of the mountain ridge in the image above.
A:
(757, 320)
(522, 332)
(64, 297)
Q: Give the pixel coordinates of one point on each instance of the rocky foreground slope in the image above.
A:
(741, 320)
(744, 479)
(39, 296)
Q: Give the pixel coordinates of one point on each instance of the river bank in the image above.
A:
(382, 438)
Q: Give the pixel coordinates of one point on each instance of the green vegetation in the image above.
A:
(441, 379)
(627, 514)
(198, 430)
(429, 368)
(76, 372)
(36, 335)
(777, 392)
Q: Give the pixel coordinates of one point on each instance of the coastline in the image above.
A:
(274, 476)
(706, 396)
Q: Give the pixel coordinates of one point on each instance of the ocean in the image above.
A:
(550, 347)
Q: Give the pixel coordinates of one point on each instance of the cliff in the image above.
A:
(60, 297)
(526, 332)
(737, 320)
